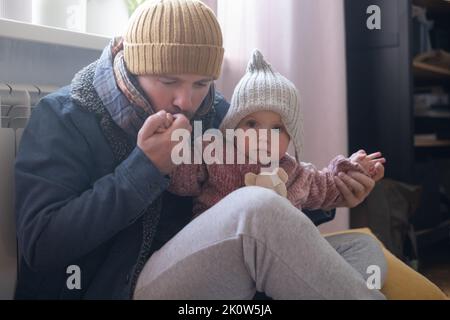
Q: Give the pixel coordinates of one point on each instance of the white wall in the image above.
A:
(107, 17)
(16, 10)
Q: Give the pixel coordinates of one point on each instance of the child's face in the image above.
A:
(265, 120)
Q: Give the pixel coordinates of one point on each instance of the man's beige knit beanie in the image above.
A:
(260, 89)
(173, 37)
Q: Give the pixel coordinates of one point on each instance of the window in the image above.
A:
(105, 17)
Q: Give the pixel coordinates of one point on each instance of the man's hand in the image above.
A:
(154, 138)
(166, 124)
(355, 186)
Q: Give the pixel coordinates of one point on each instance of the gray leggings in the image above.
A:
(254, 240)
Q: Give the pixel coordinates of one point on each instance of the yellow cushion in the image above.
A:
(403, 282)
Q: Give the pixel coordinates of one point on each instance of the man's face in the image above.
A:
(181, 93)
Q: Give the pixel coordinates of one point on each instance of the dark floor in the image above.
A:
(435, 264)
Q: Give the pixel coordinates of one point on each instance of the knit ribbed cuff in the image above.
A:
(143, 59)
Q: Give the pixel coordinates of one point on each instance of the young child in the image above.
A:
(264, 99)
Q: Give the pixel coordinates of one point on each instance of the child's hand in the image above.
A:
(368, 162)
(166, 124)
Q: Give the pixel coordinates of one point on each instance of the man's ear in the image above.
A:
(282, 174)
(250, 179)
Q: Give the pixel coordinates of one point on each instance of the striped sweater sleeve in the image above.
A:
(310, 188)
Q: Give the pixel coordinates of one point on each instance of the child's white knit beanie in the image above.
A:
(263, 89)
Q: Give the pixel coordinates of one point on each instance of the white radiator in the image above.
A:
(17, 103)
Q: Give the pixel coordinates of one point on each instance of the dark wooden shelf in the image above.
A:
(432, 114)
(430, 141)
(424, 71)
(434, 6)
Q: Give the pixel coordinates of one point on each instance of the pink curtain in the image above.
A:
(305, 41)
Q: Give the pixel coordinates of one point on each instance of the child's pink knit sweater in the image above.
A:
(307, 187)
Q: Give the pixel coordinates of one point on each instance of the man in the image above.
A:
(93, 217)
